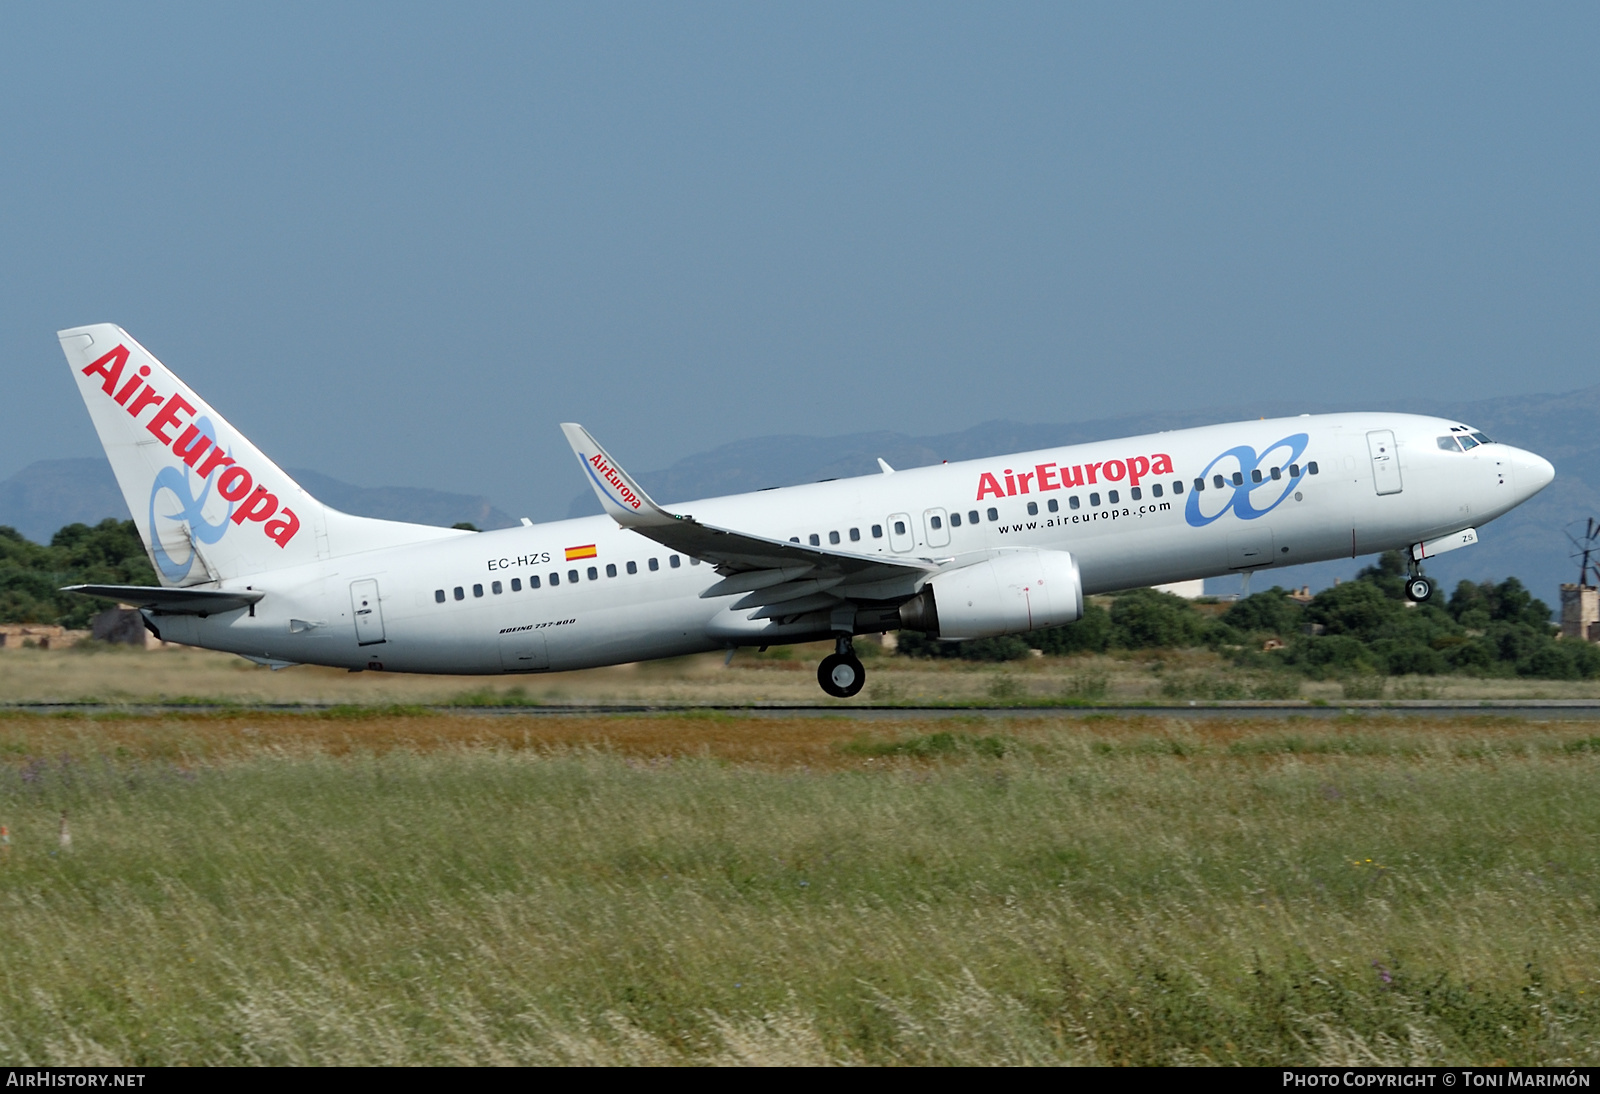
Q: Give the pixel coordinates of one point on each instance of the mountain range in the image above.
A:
(1530, 542)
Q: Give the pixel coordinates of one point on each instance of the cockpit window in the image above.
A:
(1481, 438)
(1448, 444)
(1467, 443)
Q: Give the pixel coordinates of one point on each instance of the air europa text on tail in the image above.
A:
(251, 501)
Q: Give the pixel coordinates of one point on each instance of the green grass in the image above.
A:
(1080, 895)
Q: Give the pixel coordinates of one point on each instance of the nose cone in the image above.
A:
(1531, 472)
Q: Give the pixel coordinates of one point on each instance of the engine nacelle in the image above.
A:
(1011, 593)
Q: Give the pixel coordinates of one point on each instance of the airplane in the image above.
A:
(251, 564)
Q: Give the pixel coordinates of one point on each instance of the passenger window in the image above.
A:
(1111, 496)
(833, 537)
(935, 522)
(877, 531)
(611, 569)
(1277, 473)
(654, 565)
(1094, 499)
(1155, 490)
(955, 520)
(1072, 502)
(794, 539)
(533, 581)
(572, 577)
(1255, 474)
(460, 593)
(1177, 486)
(1053, 505)
(594, 573)
(855, 535)
(1134, 493)
(1311, 467)
(516, 584)
(1468, 443)
(674, 561)
(694, 562)
(497, 588)
(899, 527)
(438, 596)
(555, 579)
(1219, 482)
(972, 516)
(1200, 483)
(1033, 510)
(994, 515)
(1294, 471)
(816, 540)
(477, 590)
(1238, 478)
(633, 567)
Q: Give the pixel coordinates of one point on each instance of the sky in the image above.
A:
(399, 244)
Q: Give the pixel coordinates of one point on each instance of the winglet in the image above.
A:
(622, 498)
(883, 463)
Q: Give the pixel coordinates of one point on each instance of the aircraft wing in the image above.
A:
(200, 602)
(770, 571)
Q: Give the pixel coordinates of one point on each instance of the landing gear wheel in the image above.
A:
(1418, 588)
(841, 675)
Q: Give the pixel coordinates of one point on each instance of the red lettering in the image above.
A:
(1114, 470)
(1162, 464)
(234, 483)
(987, 485)
(1022, 480)
(132, 385)
(1044, 472)
(109, 366)
(191, 445)
(1089, 469)
(259, 506)
(282, 531)
(1138, 468)
(1072, 477)
(1011, 484)
(168, 415)
(214, 461)
(147, 397)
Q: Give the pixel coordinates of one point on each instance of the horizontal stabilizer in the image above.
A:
(201, 602)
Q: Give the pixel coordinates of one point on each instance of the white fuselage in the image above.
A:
(1163, 530)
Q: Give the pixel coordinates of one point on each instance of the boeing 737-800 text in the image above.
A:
(252, 564)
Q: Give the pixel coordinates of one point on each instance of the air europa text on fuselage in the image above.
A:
(235, 484)
(1052, 476)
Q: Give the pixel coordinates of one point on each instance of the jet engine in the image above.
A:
(1013, 592)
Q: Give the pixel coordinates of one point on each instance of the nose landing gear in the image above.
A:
(840, 673)
(1418, 587)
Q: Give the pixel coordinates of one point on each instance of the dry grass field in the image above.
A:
(782, 677)
(352, 886)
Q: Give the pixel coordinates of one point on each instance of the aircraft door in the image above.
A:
(523, 651)
(901, 538)
(936, 526)
(367, 611)
(1385, 461)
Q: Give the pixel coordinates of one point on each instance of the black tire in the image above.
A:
(841, 675)
(1419, 589)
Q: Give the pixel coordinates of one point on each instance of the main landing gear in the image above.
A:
(840, 673)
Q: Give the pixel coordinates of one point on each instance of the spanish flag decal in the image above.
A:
(587, 551)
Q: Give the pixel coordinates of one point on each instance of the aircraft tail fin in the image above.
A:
(208, 504)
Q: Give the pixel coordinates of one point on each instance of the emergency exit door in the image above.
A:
(1385, 461)
(368, 614)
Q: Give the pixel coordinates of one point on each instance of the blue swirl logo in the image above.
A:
(1241, 490)
(178, 482)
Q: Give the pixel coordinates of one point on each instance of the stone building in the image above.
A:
(1580, 612)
